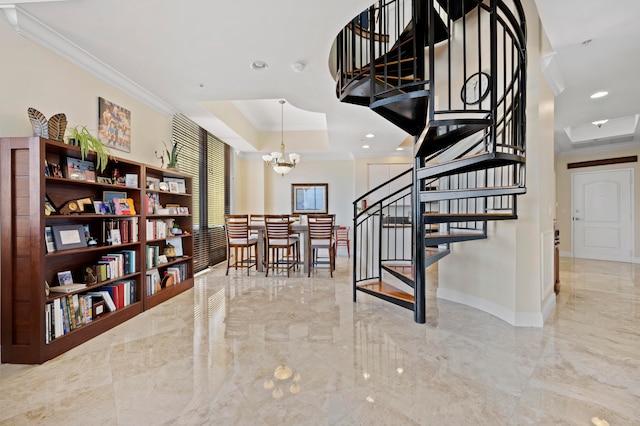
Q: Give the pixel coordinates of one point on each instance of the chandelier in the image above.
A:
(277, 160)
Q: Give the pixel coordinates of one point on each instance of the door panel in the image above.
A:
(602, 215)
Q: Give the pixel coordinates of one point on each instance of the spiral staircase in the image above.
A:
(418, 64)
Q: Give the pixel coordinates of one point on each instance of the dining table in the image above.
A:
(296, 227)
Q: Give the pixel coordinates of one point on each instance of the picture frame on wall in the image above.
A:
(114, 125)
(309, 198)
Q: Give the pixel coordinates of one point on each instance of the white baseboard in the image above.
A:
(517, 319)
(570, 254)
(548, 306)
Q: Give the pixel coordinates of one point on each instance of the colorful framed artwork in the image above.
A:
(114, 125)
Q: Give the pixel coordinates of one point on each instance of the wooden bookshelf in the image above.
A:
(26, 263)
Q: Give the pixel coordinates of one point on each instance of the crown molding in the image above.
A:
(599, 148)
(38, 32)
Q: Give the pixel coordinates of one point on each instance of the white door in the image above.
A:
(601, 215)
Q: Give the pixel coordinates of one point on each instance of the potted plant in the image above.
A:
(172, 155)
(88, 142)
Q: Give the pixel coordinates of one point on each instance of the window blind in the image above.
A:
(208, 160)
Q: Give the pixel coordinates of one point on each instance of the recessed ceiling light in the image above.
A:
(370, 135)
(201, 85)
(599, 95)
(399, 148)
(298, 66)
(366, 146)
(599, 123)
(259, 65)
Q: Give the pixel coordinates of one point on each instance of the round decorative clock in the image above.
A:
(476, 88)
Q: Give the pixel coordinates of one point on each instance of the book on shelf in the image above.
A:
(48, 238)
(122, 292)
(67, 288)
(127, 229)
(106, 297)
(153, 252)
(153, 281)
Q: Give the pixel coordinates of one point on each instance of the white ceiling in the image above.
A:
(177, 56)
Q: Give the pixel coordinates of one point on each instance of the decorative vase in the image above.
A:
(173, 168)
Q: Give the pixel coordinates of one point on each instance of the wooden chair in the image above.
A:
(282, 249)
(342, 239)
(238, 238)
(320, 236)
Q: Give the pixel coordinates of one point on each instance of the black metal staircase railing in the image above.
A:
(452, 73)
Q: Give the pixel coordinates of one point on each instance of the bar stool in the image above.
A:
(283, 249)
(320, 236)
(342, 239)
(238, 238)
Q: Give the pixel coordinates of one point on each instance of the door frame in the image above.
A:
(632, 206)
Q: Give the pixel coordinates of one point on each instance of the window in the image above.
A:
(208, 160)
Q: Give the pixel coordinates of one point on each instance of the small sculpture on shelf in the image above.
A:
(89, 276)
(53, 128)
(175, 229)
(170, 251)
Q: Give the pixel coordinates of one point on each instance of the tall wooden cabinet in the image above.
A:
(27, 263)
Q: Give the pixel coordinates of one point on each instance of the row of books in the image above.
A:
(65, 314)
(114, 265)
(120, 231)
(170, 276)
(121, 293)
(157, 229)
(153, 256)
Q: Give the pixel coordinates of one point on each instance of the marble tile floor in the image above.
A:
(241, 350)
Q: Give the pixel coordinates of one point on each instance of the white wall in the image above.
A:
(31, 76)
(503, 275)
(258, 189)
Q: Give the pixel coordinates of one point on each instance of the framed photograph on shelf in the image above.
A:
(80, 170)
(131, 180)
(67, 237)
(153, 183)
(116, 238)
(309, 198)
(105, 180)
(121, 206)
(108, 197)
(182, 189)
(65, 278)
(177, 245)
(173, 187)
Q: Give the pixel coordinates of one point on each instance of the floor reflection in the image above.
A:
(244, 349)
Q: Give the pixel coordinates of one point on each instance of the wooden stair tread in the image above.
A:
(469, 214)
(435, 217)
(455, 234)
(387, 289)
(404, 270)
